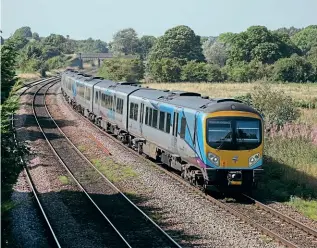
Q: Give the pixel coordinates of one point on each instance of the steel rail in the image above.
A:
(112, 185)
(26, 170)
(263, 229)
(283, 216)
(70, 173)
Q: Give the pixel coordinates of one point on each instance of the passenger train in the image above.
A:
(212, 142)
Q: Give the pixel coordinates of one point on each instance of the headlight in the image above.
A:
(253, 159)
(213, 158)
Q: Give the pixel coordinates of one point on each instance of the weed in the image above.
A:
(113, 171)
(81, 148)
(306, 207)
(63, 179)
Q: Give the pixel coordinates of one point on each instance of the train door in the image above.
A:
(141, 120)
(175, 129)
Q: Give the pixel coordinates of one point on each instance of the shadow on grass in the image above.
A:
(280, 182)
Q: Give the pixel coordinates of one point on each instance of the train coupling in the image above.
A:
(234, 177)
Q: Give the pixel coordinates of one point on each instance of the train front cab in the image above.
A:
(233, 145)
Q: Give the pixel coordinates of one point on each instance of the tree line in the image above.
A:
(285, 54)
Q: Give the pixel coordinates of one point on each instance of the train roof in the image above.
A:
(179, 98)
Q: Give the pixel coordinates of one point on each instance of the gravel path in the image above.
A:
(193, 221)
(74, 220)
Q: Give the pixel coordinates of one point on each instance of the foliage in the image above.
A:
(276, 107)
(55, 62)
(294, 69)
(213, 73)
(288, 31)
(145, 44)
(7, 64)
(306, 38)
(10, 151)
(35, 36)
(258, 43)
(125, 42)
(165, 70)
(89, 46)
(122, 69)
(194, 72)
(215, 52)
(179, 43)
(23, 32)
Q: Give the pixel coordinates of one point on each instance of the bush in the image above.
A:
(276, 107)
(165, 70)
(294, 69)
(55, 63)
(213, 73)
(194, 72)
(120, 69)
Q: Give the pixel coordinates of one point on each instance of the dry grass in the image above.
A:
(295, 90)
(29, 76)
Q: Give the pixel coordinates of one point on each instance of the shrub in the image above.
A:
(294, 69)
(194, 72)
(213, 73)
(121, 69)
(165, 70)
(55, 62)
(276, 107)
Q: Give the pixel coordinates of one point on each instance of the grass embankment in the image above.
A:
(291, 157)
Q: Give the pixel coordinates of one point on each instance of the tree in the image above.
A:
(215, 52)
(179, 43)
(288, 31)
(7, 64)
(213, 73)
(194, 72)
(145, 44)
(125, 42)
(36, 36)
(165, 70)
(122, 69)
(306, 38)
(294, 69)
(23, 32)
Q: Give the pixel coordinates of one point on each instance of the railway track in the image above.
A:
(132, 226)
(22, 91)
(270, 222)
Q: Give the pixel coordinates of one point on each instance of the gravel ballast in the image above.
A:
(192, 220)
(73, 218)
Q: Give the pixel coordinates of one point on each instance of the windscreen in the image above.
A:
(233, 133)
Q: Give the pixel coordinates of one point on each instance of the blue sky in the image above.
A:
(102, 18)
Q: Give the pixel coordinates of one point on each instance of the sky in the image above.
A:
(100, 19)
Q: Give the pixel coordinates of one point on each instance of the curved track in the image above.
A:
(285, 230)
(26, 171)
(131, 225)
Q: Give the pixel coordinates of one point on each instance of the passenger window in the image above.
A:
(168, 123)
(133, 111)
(155, 114)
(141, 112)
(162, 121)
(183, 128)
(119, 108)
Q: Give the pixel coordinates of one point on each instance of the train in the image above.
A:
(214, 143)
